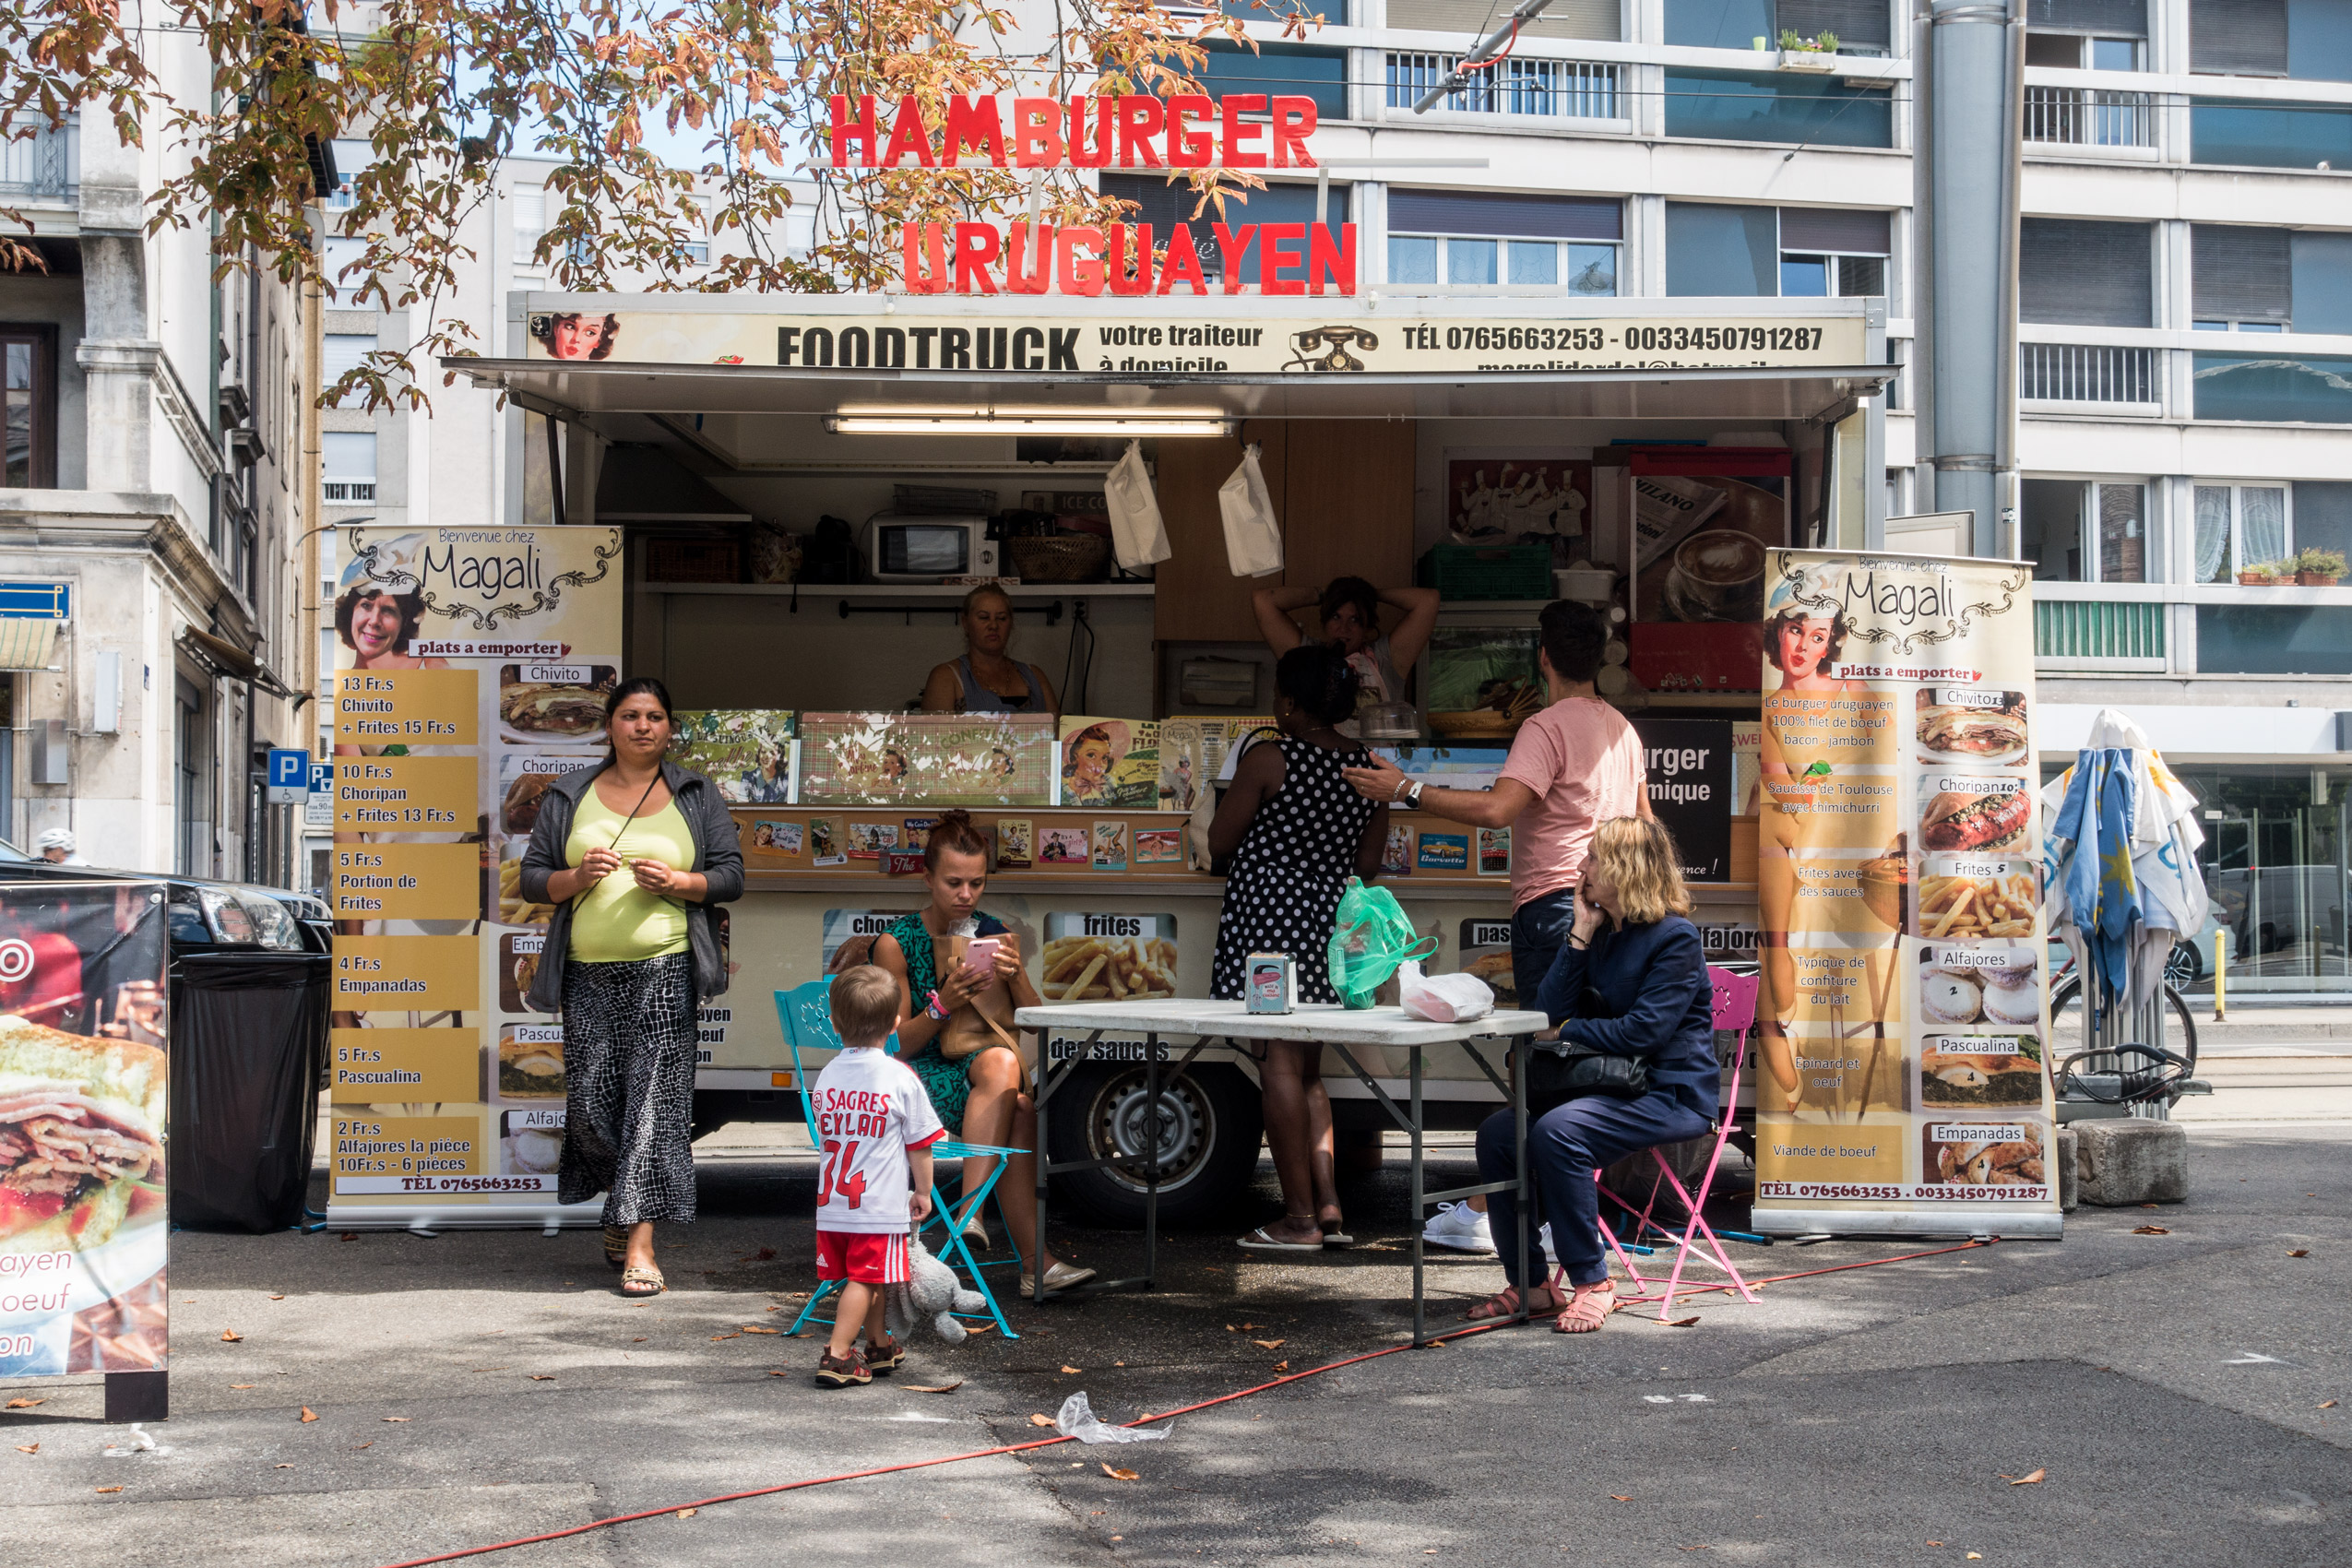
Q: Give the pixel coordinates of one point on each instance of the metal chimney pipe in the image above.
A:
(1968, 167)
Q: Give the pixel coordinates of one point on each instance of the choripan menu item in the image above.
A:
(1119, 968)
(81, 1136)
(1964, 816)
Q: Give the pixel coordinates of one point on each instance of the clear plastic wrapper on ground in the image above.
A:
(1077, 1420)
(1442, 998)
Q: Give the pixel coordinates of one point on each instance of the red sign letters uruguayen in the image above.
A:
(1124, 131)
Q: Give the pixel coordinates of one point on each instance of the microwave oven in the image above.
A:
(902, 547)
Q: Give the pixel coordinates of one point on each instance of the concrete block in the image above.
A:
(2130, 1161)
(2068, 1146)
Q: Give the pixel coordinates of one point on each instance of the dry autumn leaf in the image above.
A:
(2327, 1404)
(638, 1340)
(27, 1448)
(1119, 1475)
(25, 1404)
(244, 1386)
(934, 1388)
(357, 1446)
(399, 1418)
(754, 1328)
(1682, 1322)
(2032, 1479)
(350, 1236)
(104, 1490)
(688, 1512)
(1614, 1497)
(1041, 1420)
(1072, 1372)
(542, 1377)
(282, 1466)
(309, 1414)
(717, 1337)
(2150, 1231)
(1269, 1343)
(230, 1337)
(2301, 1253)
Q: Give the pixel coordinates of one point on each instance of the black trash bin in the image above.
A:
(248, 1048)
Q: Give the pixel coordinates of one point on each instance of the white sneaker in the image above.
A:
(1459, 1228)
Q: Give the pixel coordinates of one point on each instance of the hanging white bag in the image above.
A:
(1253, 533)
(1442, 998)
(1137, 533)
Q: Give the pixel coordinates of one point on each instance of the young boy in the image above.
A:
(877, 1127)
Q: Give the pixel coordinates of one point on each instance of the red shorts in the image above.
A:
(867, 1257)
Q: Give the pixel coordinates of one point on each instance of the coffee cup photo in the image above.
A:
(1718, 575)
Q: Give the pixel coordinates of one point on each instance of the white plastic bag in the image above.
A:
(1442, 998)
(1077, 1420)
(1137, 533)
(1253, 533)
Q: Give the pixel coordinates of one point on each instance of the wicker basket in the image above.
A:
(1060, 558)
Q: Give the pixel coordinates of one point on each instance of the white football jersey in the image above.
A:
(870, 1110)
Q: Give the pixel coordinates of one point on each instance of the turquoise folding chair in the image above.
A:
(806, 1013)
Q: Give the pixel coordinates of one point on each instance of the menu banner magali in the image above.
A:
(1905, 1016)
(472, 669)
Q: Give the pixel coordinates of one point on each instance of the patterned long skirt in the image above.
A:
(629, 1089)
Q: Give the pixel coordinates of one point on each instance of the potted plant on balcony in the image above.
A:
(2318, 568)
(1798, 53)
(2257, 574)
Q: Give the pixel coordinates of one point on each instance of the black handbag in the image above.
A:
(1562, 1070)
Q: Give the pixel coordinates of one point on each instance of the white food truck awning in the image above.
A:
(1761, 393)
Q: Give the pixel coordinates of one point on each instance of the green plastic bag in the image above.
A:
(1369, 939)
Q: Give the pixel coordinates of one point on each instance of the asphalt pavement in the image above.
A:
(2178, 1394)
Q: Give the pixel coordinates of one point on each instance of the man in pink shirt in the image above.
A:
(1574, 766)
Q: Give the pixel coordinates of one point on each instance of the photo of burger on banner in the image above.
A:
(83, 1081)
(1958, 725)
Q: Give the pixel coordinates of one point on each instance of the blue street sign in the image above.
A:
(288, 776)
(322, 778)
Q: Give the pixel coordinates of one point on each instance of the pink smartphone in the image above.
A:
(981, 956)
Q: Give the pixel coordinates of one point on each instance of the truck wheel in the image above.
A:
(1209, 1148)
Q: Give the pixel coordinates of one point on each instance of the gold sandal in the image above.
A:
(648, 1277)
(616, 1245)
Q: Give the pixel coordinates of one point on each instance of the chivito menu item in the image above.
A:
(84, 1077)
(474, 674)
(1903, 1021)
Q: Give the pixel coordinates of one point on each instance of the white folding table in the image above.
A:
(1344, 1030)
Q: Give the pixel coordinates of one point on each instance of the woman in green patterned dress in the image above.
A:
(980, 1097)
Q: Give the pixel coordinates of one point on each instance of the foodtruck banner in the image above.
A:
(903, 335)
(472, 670)
(83, 1081)
(1906, 1012)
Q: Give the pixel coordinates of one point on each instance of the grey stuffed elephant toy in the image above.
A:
(931, 1293)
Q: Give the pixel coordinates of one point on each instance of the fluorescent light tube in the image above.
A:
(902, 423)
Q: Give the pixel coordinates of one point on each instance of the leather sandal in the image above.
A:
(1587, 1308)
(616, 1245)
(642, 1282)
(1505, 1303)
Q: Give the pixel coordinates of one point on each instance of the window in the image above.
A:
(1164, 206)
(2086, 274)
(352, 158)
(2308, 39)
(2129, 17)
(350, 463)
(2249, 280)
(1576, 90)
(2324, 516)
(2076, 52)
(1862, 25)
(530, 222)
(29, 406)
(1334, 13)
(344, 352)
(2082, 531)
(1747, 106)
(1466, 240)
(2238, 526)
(2282, 136)
(1300, 70)
(343, 252)
(1797, 251)
(1562, 18)
(2280, 388)
(192, 777)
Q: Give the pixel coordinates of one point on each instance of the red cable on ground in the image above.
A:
(1050, 1441)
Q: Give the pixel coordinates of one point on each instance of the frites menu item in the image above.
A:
(1092, 958)
(1904, 1022)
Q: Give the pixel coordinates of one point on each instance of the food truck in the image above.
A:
(787, 499)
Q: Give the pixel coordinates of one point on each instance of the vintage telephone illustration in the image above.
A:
(1336, 339)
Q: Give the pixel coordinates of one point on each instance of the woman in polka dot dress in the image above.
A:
(1293, 831)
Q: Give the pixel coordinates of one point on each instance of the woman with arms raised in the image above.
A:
(636, 854)
(1630, 981)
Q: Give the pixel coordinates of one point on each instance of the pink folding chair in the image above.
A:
(1735, 1011)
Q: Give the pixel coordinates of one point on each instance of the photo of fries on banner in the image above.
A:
(1899, 898)
(1115, 957)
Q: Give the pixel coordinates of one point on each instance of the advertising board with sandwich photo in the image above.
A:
(84, 1078)
(531, 1061)
(554, 704)
(1972, 1071)
(1957, 725)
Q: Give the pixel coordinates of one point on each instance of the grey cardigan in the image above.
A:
(719, 855)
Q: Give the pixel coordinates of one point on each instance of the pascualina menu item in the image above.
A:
(1904, 1024)
(472, 667)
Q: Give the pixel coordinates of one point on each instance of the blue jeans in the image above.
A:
(1565, 1145)
(1538, 927)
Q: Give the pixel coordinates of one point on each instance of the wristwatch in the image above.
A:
(1411, 792)
(932, 1006)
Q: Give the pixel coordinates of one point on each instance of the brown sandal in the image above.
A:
(616, 1245)
(642, 1282)
(1587, 1308)
(1505, 1303)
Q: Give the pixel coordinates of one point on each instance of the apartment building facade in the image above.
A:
(158, 481)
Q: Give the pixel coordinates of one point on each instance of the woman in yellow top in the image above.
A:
(635, 853)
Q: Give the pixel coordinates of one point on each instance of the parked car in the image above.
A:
(206, 916)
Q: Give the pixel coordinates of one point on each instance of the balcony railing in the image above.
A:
(347, 489)
(2096, 633)
(45, 166)
(2074, 372)
(2076, 116)
(1574, 89)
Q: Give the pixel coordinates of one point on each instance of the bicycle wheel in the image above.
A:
(2066, 1022)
